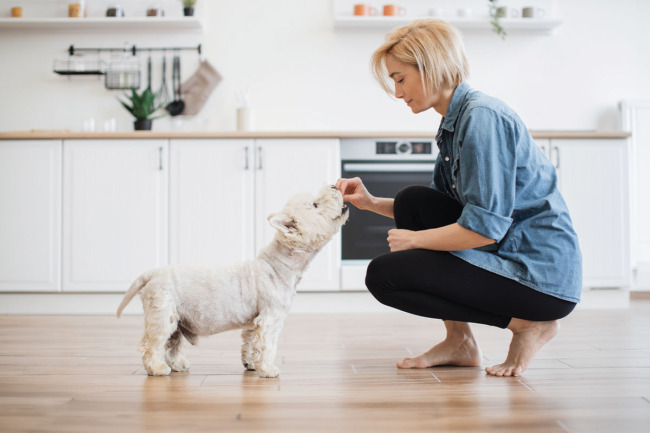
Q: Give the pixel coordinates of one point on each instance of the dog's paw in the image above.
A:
(180, 364)
(158, 369)
(268, 371)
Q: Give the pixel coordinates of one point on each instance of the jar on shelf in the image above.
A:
(155, 11)
(77, 9)
(115, 11)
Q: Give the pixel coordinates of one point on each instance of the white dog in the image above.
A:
(186, 301)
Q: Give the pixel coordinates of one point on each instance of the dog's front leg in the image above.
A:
(265, 344)
(247, 348)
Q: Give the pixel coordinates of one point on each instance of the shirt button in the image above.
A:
(446, 158)
(454, 186)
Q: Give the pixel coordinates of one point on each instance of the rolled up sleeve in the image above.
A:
(487, 172)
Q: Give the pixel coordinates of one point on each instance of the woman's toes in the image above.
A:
(405, 363)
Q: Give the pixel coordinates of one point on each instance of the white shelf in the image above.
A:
(483, 23)
(71, 24)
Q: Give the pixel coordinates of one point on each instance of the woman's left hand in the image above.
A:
(400, 240)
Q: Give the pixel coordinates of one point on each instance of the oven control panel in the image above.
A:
(388, 149)
(401, 147)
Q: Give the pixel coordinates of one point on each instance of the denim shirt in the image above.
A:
(508, 189)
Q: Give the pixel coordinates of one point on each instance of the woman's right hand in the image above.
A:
(355, 192)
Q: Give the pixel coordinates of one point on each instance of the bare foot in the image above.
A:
(527, 338)
(463, 352)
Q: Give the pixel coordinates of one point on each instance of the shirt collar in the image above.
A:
(449, 121)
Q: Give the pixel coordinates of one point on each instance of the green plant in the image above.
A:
(496, 24)
(142, 104)
(188, 3)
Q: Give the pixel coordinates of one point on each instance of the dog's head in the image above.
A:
(308, 222)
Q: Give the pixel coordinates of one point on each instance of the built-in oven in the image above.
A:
(385, 166)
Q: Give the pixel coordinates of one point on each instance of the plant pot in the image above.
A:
(188, 12)
(143, 125)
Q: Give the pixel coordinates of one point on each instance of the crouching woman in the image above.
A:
(490, 241)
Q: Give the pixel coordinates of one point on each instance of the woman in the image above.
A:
(491, 240)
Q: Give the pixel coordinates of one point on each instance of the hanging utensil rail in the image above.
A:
(133, 50)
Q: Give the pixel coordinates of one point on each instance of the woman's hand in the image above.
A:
(400, 240)
(355, 192)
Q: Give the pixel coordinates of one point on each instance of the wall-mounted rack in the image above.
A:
(122, 72)
(133, 50)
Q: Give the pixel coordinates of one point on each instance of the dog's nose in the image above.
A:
(333, 187)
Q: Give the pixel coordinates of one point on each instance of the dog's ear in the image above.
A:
(282, 222)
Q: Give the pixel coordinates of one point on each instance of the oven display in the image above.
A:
(395, 147)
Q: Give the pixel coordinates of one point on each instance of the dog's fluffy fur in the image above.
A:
(182, 302)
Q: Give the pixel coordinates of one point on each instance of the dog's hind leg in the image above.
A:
(160, 323)
(247, 349)
(174, 352)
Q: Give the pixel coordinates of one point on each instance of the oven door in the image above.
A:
(364, 235)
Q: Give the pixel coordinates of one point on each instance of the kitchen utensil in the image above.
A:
(177, 106)
(163, 96)
(149, 72)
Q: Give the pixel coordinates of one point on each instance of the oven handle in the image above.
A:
(388, 168)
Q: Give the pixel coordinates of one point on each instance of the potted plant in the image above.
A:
(496, 13)
(188, 7)
(142, 107)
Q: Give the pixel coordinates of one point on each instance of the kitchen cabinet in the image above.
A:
(212, 201)
(223, 190)
(114, 212)
(288, 166)
(593, 179)
(30, 215)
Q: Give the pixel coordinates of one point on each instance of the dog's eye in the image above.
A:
(315, 204)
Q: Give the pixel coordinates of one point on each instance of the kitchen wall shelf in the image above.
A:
(483, 23)
(103, 23)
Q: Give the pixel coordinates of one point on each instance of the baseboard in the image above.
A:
(304, 302)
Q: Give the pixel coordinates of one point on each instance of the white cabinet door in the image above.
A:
(288, 166)
(211, 205)
(30, 215)
(115, 212)
(594, 182)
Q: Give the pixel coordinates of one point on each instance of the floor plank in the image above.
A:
(80, 374)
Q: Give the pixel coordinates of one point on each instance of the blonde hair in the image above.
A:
(433, 46)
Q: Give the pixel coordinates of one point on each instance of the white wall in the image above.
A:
(306, 75)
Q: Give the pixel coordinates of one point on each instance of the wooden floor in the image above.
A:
(83, 374)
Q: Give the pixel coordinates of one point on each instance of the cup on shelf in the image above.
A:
(110, 125)
(531, 12)
(17, 12)
(436, 12)
(89, 125)
(364, 10)
(394, 11)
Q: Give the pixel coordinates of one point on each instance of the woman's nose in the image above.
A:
(398, 93)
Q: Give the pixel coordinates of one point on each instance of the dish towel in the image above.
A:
(197, 89)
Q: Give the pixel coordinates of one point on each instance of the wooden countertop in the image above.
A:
(68, 135)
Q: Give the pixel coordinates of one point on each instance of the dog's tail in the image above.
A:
(137, 285)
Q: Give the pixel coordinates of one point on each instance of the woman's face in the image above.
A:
(408, 85)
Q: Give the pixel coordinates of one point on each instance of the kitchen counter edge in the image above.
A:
(68, 135)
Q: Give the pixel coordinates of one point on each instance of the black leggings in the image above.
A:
(440, 285)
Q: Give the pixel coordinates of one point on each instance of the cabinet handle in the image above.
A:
(160, 158)
(557, 157)
(246, 158)
(259, 156)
